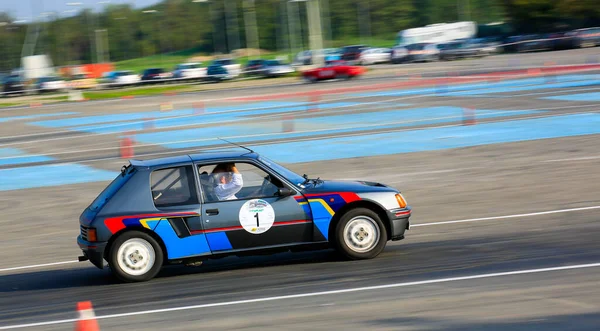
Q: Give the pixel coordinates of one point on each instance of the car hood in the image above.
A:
(348, 186)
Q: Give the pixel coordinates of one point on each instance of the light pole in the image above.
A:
(124, 53)
(232, 25)
(315, 31)
(361, 20)
(153, 11)
(69, 46)
(103, 44)
(212, 20)
(327, 22)
(87, 22)
(291, 29)
(251, 31)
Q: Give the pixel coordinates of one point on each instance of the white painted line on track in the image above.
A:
(312, 294)
(548, 212)
(583, 158)
(288, 140)
(37, 265)
(508, 216)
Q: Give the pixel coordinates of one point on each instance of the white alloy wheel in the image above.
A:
(361, 234)
(136, 257)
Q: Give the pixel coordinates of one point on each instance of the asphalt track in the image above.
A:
(494, 227)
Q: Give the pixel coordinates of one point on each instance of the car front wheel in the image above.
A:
(360, 234)
(135, 257)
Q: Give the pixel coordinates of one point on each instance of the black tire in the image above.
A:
(123, 275)
(343, 247)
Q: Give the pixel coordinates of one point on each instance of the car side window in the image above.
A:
(173, 187)
(219, 185)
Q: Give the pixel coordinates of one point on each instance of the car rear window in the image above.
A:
(173, 187)
(112, 188)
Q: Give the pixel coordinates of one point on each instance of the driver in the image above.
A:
(229, 181)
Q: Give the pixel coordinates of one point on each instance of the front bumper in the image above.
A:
(92, 251)
(399, 222)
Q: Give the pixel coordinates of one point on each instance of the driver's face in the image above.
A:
(224, 177)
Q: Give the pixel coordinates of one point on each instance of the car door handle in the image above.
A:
(212, 212)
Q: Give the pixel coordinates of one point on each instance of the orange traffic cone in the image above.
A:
(469, 116)
(126, 148)
(315, 98)
(87, 319)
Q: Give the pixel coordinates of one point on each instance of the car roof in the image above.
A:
(197, 157)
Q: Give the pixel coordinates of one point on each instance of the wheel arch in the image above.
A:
(363, 203)
(149, 232)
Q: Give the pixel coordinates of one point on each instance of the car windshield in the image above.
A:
(283, 171)
(112, 188)
(189, 66)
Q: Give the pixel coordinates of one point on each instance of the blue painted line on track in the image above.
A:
(524, 88)
(592, 96)
(13, 156)
(445, 113)
(488, 87)
(29, 117)
(59, 123)
(115, 118)
(432, 139)
(51, 175)
(205, 137)
(200, 118)
(10, 151)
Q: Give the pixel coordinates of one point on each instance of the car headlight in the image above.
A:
(401, 200)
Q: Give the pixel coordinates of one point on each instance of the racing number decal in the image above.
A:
(257, 216)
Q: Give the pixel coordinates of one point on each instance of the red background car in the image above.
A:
(332, 70)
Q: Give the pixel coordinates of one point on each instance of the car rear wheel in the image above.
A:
(360, 234)
(135, 257)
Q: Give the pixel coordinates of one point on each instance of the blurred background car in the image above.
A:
(233, 69)
(588, 37)
(120, 78)
(338, 69)
(306, 57)
(12, 85)
(460, 49)
(352, 53)
(399, 54)
(375, 55)
(332, 54)
(152, 74)
(275, 68)
(49, 84)
(254, 67)
(81, 81)
(561, 40)
(419, 52)
(190, 70)
(216, 72)
(534, 43)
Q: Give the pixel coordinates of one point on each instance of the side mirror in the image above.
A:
(285, 192)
